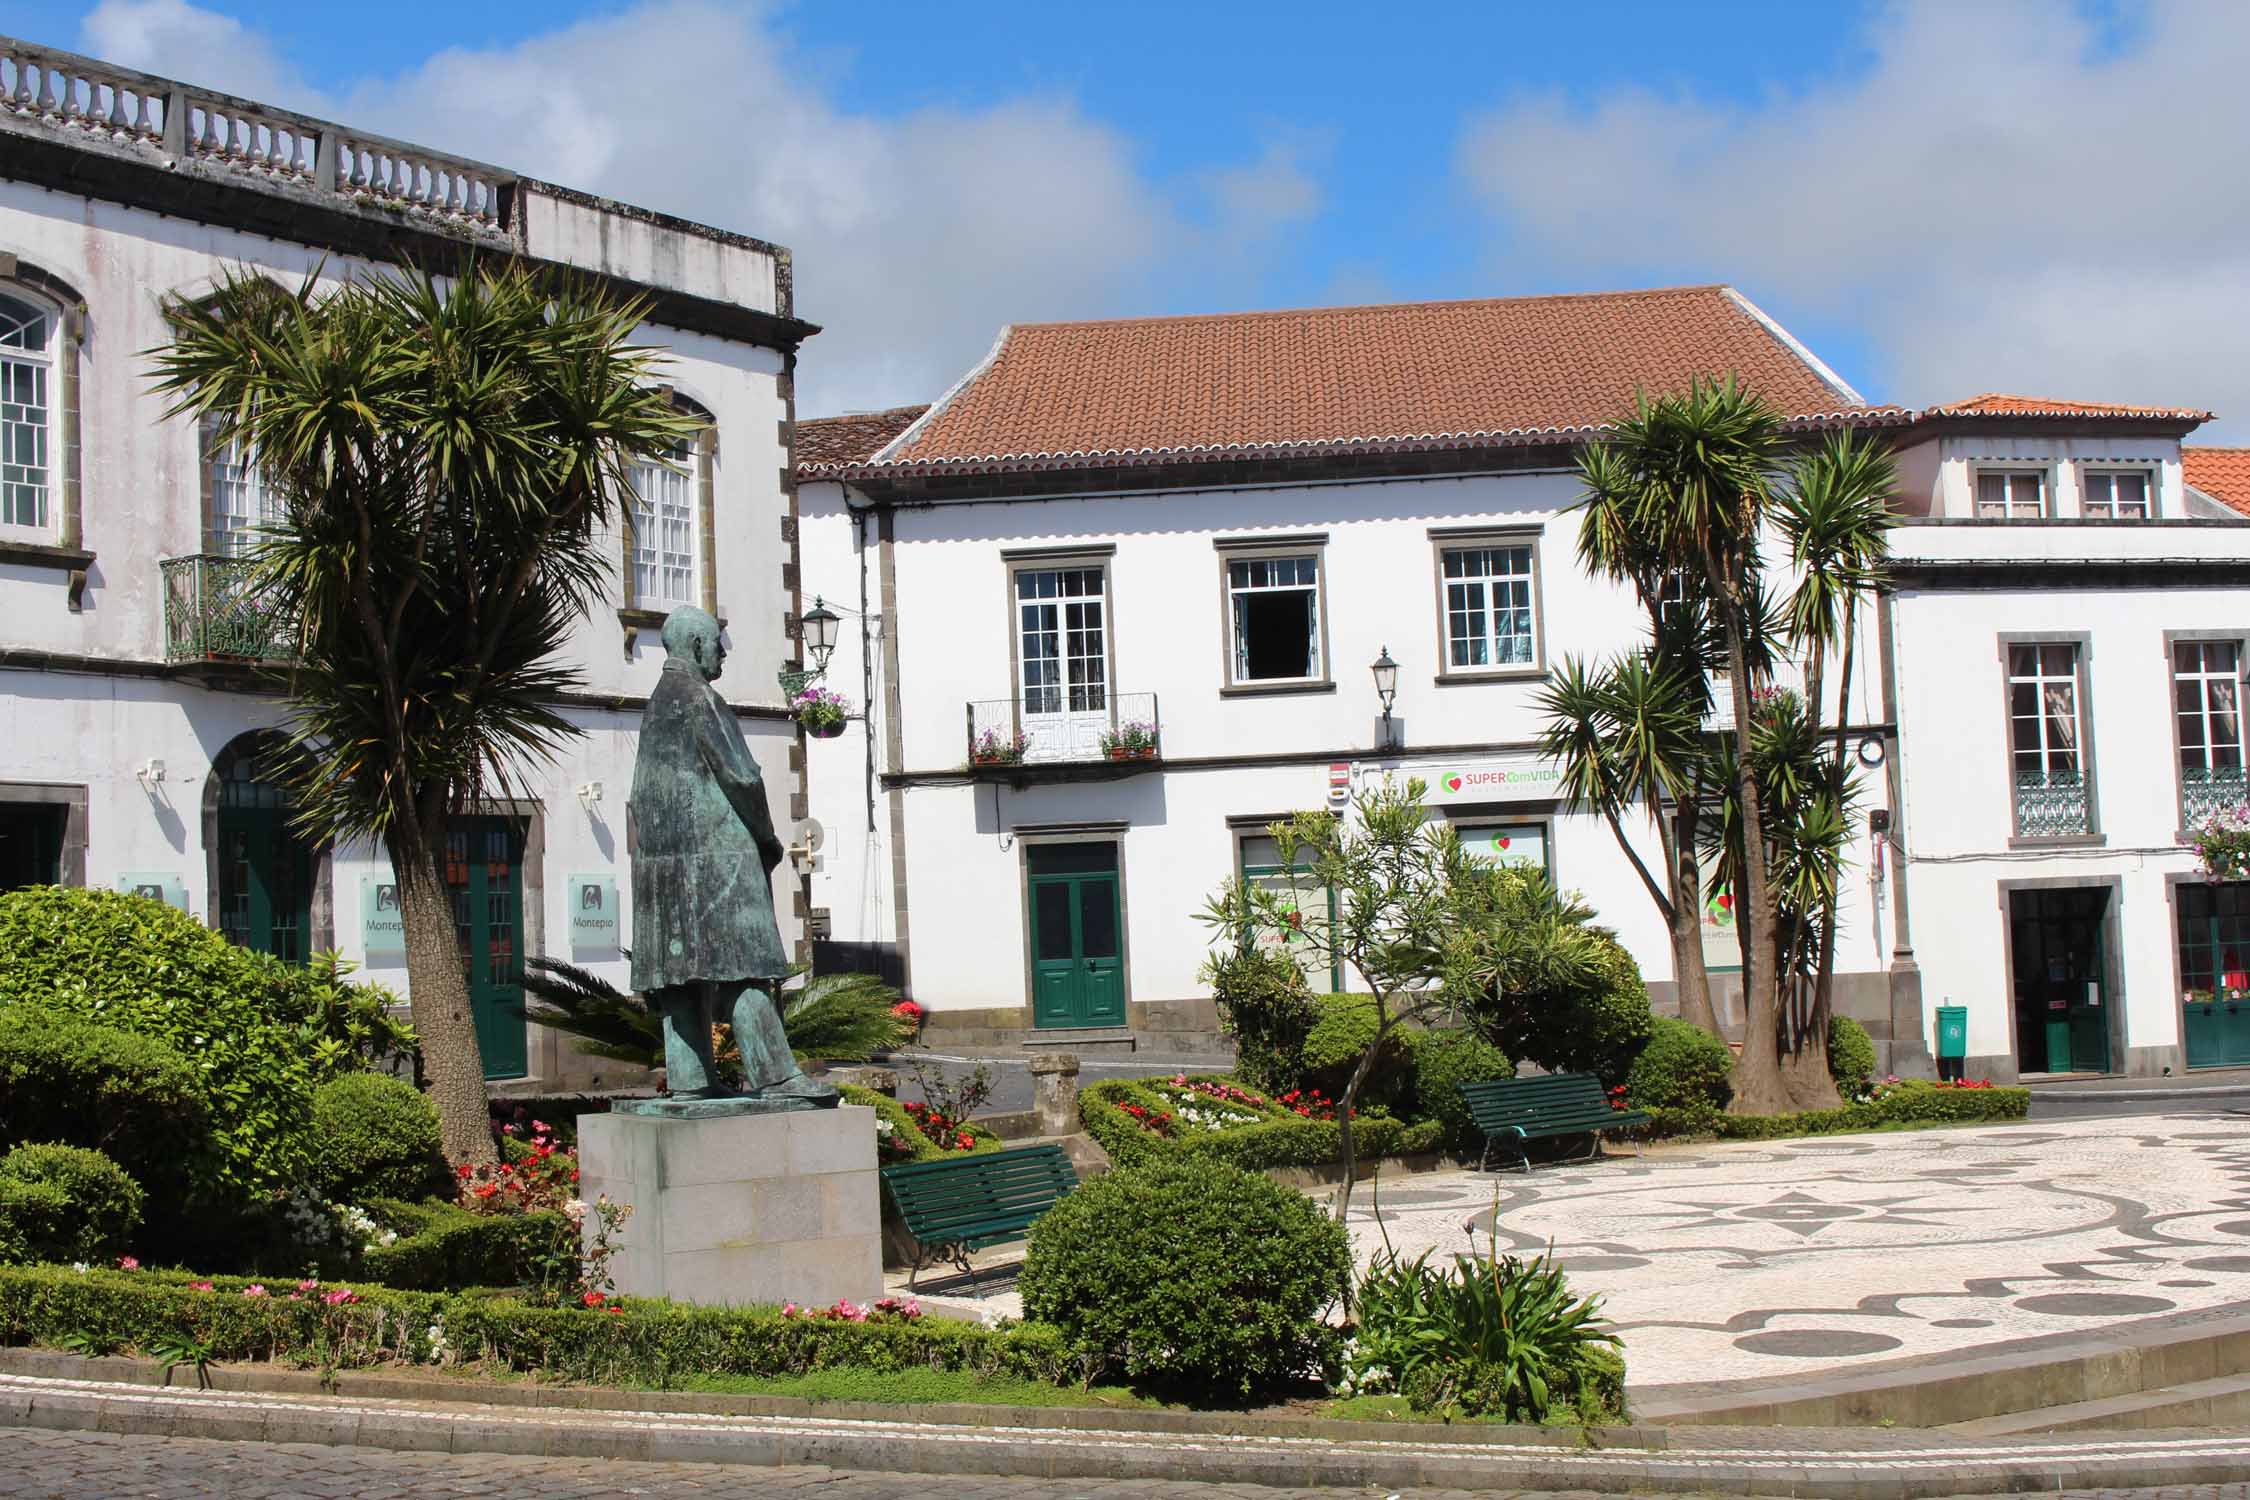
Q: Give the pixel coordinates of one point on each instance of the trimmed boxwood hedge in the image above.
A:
(132, 1098)
(647, 1344)
(1912, 1102)
(442, 1247)
(903, 1128)
(1284, 1141)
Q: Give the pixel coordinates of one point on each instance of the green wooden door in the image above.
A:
(1077, 936)
(2062, 989)
(265, 870)
(2214, 940)
(484, 869)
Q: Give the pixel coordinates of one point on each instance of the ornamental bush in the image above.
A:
(132, 1098)
(1683, 1067)
(1908, 1103)
(1598, 1028)
(1443, 1061)
(1343, 1029)
(1199, 1278)
(138, 965)
(1851, 1057)
(375, 1136)
(1282, 1138)
(1266, 1006)
(444, 1248)
(899, 1136)
(65, 1203)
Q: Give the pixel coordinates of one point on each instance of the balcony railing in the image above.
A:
(213, 612)
(2204, 792)
(1065, 729)
(2051, 804)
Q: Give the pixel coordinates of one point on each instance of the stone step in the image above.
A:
(1082, 1039)
(2223, 1402)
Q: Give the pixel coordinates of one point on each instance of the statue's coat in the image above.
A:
(705, 847)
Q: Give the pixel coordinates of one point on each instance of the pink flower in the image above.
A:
(254, 1289)
(340, 1297)
(127, 1263)
(308, 1284)
(789, 1309)
(201, 1286)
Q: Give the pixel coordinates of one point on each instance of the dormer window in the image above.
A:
(2117, 495)
(2011, 494)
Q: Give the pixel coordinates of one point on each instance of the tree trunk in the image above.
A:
(1805, 1071)
(1344, 1112)
(1685, 918)
(1758, 1086)
(439, 994)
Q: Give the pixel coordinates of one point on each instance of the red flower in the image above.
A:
(592, 1299)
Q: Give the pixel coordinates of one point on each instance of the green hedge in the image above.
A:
(1280, 1141)
(1343, 1029)
(1910, 1103)
(921, 1147)
(132, 1098)
(1682, 1068)
(1851, 1056)
(65, 1203)
(1443, 1061)
(442, 1247)
(648, 1344)
(375, 1136)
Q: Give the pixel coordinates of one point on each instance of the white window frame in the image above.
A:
(2012, 473)
(1081, 684)
(41, 366)
(231, 530)
(2110, 474)
(656, 559)
(1450, 544)
(1313, 550)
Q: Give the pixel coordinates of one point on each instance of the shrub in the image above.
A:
(1342, 1031)
(375, 1136)
(1851, 1057)
(1683, 1067)
(140, 966)
(1281, 1139)
(1599, 1027)
(899, 1136)
(1266, 1006)
(1911, 1102)
(445, 1248)
(352, 1021)
(642, 1344)
(1206, 1279)
(1443, 1061)
(132, 1098)
(65, 1203)
(1504, 1339)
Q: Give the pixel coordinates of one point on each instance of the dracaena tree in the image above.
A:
(448, 455)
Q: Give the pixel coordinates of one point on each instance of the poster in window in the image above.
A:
(1508, 843)
(1722, 946)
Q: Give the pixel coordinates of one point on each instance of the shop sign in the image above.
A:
(593, 912)
(1526, 779)
(382, 927)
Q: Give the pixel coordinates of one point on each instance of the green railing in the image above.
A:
(2204, 792)
(213, 612)
(2051, 804)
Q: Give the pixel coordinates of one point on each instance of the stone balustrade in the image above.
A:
(65, 92)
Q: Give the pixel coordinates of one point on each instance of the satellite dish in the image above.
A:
(810, 834)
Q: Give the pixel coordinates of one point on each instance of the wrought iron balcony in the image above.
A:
(1085, 728)
(2204, 792)
(2051, 804)
(214, 613)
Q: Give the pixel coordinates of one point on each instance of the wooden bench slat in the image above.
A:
(1515, 1111)
(967, 1203)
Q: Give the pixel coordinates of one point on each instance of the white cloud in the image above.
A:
(915, 237)
(185, 41)
(2000, 199)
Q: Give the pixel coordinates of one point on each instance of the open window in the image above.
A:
(1274, 619)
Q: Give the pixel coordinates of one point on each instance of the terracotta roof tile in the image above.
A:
(2221, 473)
(852, 438)
(1995, 404)
(1412, 374)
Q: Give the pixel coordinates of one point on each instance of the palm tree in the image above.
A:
(1693, 474)
(1835, 517)
(449, 457)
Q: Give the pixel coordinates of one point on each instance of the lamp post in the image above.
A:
(816, 628)
(1386, 688)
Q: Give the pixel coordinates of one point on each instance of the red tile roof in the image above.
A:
(2221, 473)
(1407, 376)
(851, 438)
(1994, 404)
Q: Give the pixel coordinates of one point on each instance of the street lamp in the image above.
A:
(819, 625)
(1386, 688)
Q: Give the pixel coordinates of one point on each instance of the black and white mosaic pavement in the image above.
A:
(1728, 1261)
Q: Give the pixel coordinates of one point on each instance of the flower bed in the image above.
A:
(901, 1137)
(627, 1342)
(1143, 1120)
(1891, 1102)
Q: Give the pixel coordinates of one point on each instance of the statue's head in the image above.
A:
(692, 635)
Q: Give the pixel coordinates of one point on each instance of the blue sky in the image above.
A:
(1938, 198)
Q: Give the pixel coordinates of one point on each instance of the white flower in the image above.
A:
(575, 1210)
(80, 1266)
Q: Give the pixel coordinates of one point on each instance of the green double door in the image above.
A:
(2062, 991)
(1077, 947)
(484, 872)
(2214, 938)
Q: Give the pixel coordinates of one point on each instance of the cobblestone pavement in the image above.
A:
(40, 1465)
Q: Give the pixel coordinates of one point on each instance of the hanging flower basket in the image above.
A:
(2222, 843)
(821, 712)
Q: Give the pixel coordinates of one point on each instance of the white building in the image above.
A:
(130, 695)
(1214, 525)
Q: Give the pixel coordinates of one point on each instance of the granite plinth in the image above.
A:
(769, 1207)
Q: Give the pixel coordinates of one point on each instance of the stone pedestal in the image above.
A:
(1054, 1092)
(742, 1207)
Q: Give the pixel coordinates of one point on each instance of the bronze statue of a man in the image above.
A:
(705, 943)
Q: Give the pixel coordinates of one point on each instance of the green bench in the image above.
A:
(957, 1206)
(1514, 1112)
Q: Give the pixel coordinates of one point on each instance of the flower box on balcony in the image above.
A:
(1121, 752)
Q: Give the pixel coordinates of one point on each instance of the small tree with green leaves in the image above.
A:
(1431, 933)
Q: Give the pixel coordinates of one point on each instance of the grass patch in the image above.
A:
(1390, 1409)
(915, 1388)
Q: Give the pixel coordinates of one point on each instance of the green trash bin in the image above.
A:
(1952, 1040)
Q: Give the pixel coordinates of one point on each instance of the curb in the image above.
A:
(2212, 1091)
(1928, 1469)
